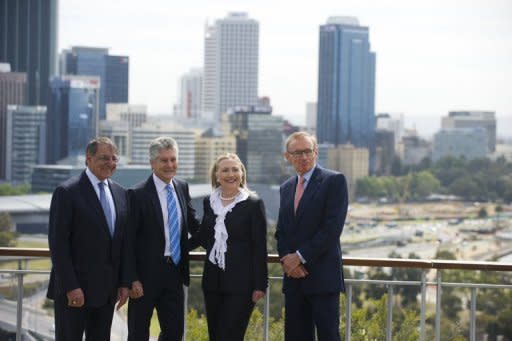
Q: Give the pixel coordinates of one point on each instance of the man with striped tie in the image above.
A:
(161, 219)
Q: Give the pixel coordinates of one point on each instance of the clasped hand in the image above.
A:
(293, 267)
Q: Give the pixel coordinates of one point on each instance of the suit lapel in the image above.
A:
(181, 201)
(309, 192)
(151, 190)
(92, 198)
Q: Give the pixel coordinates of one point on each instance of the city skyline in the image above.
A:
(432, 57)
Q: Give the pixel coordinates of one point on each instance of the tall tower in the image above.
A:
(28, 41)
(13, 91)
(231, 64)
(94, 61)
(191, 95)
(72, 116)
(346, 84)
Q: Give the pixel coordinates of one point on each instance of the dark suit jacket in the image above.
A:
(246, 255)
(83, 253)
(147, 238)
(314, 230)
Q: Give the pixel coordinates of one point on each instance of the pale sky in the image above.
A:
(433, 56)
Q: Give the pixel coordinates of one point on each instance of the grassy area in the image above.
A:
(9, 292)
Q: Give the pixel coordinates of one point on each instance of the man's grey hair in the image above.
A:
(161, 143)
(92, 146)
(300, 134)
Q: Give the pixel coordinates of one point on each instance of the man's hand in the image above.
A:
(298, 272)
(75, 298)
(257, 295)
(293, 267)
(290, 262)
(137, 290)
(122, 297)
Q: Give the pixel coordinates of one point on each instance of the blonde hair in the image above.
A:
(215, 168)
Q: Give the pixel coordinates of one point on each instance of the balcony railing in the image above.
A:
(423, 283)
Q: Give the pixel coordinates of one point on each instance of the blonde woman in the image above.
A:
(233, 232)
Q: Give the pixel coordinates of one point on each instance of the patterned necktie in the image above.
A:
(106, 207)
(298, 192)
(174, 228)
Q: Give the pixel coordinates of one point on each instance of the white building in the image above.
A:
(142, 136)
(190, 95)
(25, 141)
(231, 59)
(470, 143)
(473, 119)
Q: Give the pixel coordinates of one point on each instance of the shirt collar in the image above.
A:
(160, 185)
(93, 179)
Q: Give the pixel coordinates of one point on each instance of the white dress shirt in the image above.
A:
(162, 196)
(110, 199)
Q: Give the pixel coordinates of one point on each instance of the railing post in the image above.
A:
(438, 305)
(472, 316)
(348, 311)
(185, 310)
(423, 312)
(389, 320)
(19, 312)
(266, 313)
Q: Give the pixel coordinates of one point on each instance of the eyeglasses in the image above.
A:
(298, 153)
(105, 158)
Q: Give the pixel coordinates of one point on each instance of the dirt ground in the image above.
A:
(421, 211)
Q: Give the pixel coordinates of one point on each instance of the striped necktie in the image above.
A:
(174, 226)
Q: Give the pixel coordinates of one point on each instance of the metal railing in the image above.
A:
(425, 265)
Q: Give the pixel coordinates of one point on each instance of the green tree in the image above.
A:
(8, 189)
(7, 236)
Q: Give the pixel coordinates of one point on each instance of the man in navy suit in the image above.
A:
(311, 218)
(88, 217)
(161, 220)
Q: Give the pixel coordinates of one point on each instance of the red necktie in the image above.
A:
(298, 192)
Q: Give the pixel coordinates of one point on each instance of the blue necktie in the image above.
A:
(106, 208)
(174, 226)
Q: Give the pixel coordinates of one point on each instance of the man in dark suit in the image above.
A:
(162, 217)
(311, 218)
(88, 217)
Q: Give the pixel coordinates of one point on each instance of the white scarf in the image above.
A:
(217, 255)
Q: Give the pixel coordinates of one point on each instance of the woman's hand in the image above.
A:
(257, 295)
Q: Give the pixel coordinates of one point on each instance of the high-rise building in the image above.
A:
(391, 122)
(72, 117)
(473, 119)
(259, 142)
(13, 90)
(26, 135)
(231, 61)
(311, 117)
(191, 95)
(112, 71)
(346, 84)
(28, 41)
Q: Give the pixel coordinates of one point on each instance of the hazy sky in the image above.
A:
(433, 56)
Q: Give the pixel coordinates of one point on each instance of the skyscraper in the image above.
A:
(346, 84)
(25, 140)
(72, 117)
(112, 71)
(230, 64)
(13, 90)
(28, 41)
(191, 95)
